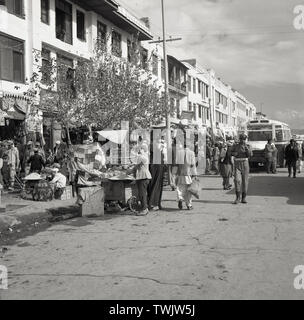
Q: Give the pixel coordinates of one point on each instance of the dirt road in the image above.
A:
(217, 251)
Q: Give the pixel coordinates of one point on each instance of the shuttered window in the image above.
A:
(45, 8)
(116, 44)
(81, 25)
(64, 21)
(13, 6)
(11, 59)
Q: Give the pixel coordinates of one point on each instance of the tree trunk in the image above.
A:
(68, 136)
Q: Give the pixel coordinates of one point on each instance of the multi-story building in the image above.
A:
(198, 93)
(213, 103)
(61, 31)
(245, 110)
(64, 30)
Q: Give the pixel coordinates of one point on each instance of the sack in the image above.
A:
(194, 188)
(43, 191)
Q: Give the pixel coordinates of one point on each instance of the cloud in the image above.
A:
(252, 45)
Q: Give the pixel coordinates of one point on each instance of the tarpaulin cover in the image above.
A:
(115, 136)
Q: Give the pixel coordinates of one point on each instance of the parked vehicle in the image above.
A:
(262, 130)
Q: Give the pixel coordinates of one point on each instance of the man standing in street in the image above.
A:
(269, 155)
(291, 157)
(241, 153)
(13, 162)
(186, 172)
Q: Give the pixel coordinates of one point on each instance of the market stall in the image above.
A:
(96, 169)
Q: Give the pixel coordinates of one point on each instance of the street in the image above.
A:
(217, 251)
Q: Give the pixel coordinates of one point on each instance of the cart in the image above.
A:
(122, 192)
(36, 188)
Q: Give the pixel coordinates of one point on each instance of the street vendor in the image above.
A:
(59, 182)
(143, 177)
(36, 161)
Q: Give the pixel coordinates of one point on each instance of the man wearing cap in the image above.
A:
(241, 152)
(291, 157)
(13, 162)
(59, 181)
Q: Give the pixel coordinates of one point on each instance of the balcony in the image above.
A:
(119, 16)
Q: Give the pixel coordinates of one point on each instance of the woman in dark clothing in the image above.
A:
(157, 170)
(292, 156)
(226, 166)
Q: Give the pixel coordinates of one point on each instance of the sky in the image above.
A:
(251, 44)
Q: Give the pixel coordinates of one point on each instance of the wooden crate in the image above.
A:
(67, 194)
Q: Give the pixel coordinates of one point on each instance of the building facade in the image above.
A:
(34, 33)
(60, 31)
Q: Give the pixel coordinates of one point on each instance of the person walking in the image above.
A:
(269, 155)
(216, 158)
(13, 162)
(291, 157)
(185, 174)
(300, 160)
(241, 153)
(143, 177)
(157, 170)
(274, 158)
(209, 152)
(226, 166)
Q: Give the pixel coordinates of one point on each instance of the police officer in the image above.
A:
(241, 153)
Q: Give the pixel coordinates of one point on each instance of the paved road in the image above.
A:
(218, 251)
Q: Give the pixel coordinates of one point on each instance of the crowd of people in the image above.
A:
(230, 159)
(18, 161)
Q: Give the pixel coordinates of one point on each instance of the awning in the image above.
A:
(14, 107)
(115, 136)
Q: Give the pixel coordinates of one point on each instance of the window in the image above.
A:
(46, 67)
(189, 84)
(225, 101)
(155, 65)
(233, 106)
(116, 44)
(144, 58)
(190, 106)
(45, 9)
(217, 97)
(194, 111)
(171, 73)
(13, 6)
(200, 112)
(199, 86)
(81, 30)
(101, 33)
(194, 85)
(64, 21)
(207, 91)
(178, 111)
(163, 69)
(65, 70)
(11, 59)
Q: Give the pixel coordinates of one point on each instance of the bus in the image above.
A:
(259, 132)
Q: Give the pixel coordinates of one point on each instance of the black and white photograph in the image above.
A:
(151, 150)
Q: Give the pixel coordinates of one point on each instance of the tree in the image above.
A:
(99, 92)
(111, 90)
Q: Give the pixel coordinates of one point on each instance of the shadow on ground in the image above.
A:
(277, 186)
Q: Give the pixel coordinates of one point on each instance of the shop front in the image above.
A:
(13, 111)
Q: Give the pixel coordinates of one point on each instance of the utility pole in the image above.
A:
(168, 120)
